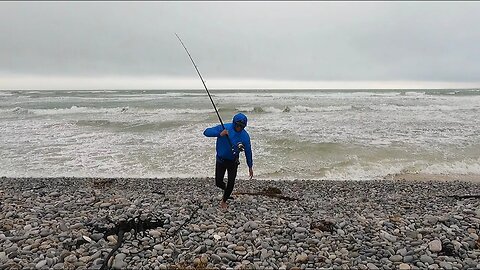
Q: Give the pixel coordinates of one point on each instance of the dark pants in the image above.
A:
(220, 169)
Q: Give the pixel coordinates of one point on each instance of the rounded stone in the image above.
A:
(41, 264)
(396, 258)
(435, 245)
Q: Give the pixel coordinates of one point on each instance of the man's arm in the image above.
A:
(248, 152)
(213, 131)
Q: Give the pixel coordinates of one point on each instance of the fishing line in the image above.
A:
(206, 89)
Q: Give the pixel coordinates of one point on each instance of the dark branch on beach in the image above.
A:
(136, 224)
(322, 225)
(465, 196)
(271, 192)
(192, 215)
(115, 248)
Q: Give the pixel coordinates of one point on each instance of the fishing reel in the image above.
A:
(240, 147)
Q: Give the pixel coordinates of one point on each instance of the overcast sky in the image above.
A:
(132, 45)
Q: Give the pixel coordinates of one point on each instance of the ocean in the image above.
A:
(296, 134)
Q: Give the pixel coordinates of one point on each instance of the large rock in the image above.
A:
(396, 258)
(228, 256)
(118, 262)
(435, 245)
(250, 226)
(385, 235)
(301, 258)
(426, 259)
(41, 264)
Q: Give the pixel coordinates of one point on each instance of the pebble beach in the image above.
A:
(53, 223)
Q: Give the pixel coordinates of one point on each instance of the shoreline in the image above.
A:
(474, 178)
(401, 224)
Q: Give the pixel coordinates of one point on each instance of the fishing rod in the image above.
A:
(206, 89)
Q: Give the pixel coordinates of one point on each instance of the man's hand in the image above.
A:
(250, 171)
(224, 132)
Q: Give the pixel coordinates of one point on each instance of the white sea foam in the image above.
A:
(415, 94)
(457, 167)
(95, 110)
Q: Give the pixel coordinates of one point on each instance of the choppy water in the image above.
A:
(335, 134)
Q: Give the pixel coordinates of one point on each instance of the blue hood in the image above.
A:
(240, 117)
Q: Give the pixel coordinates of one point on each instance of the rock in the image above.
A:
(215, 258)
(96, 236)
(430, 220)
(41, 264)
(250, 226)
(385, 235)
(58, 266)
(372, 266)
(105, 204)
(404, 266)
(70, 258)
(3, 256)
(426, 259)
(76, 226)
(241, 252)
(402, 251)
(283, 249)
(300, 229)
(155, 233)
(264, 255)
(112, 239)
(209, 242)
(200, 249)
(86, 238)
(228, 256)
(118, 262)
(301, 258)
(44, 232)
(435, 245)
(396, 258)
(84, 259)
(62, 226)
(446, 265)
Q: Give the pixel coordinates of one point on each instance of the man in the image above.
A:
(226, 160)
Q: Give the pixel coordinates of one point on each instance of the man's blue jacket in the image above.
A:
(224, 152)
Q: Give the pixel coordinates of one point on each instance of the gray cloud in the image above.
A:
(310, 41)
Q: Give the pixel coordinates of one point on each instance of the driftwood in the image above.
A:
(465, 196)
(192, 215)
(136, 224)
(103, 182)
(322, 225)
(271, 192)
(448, 248)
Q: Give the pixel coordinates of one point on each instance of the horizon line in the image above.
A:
(230, 89)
